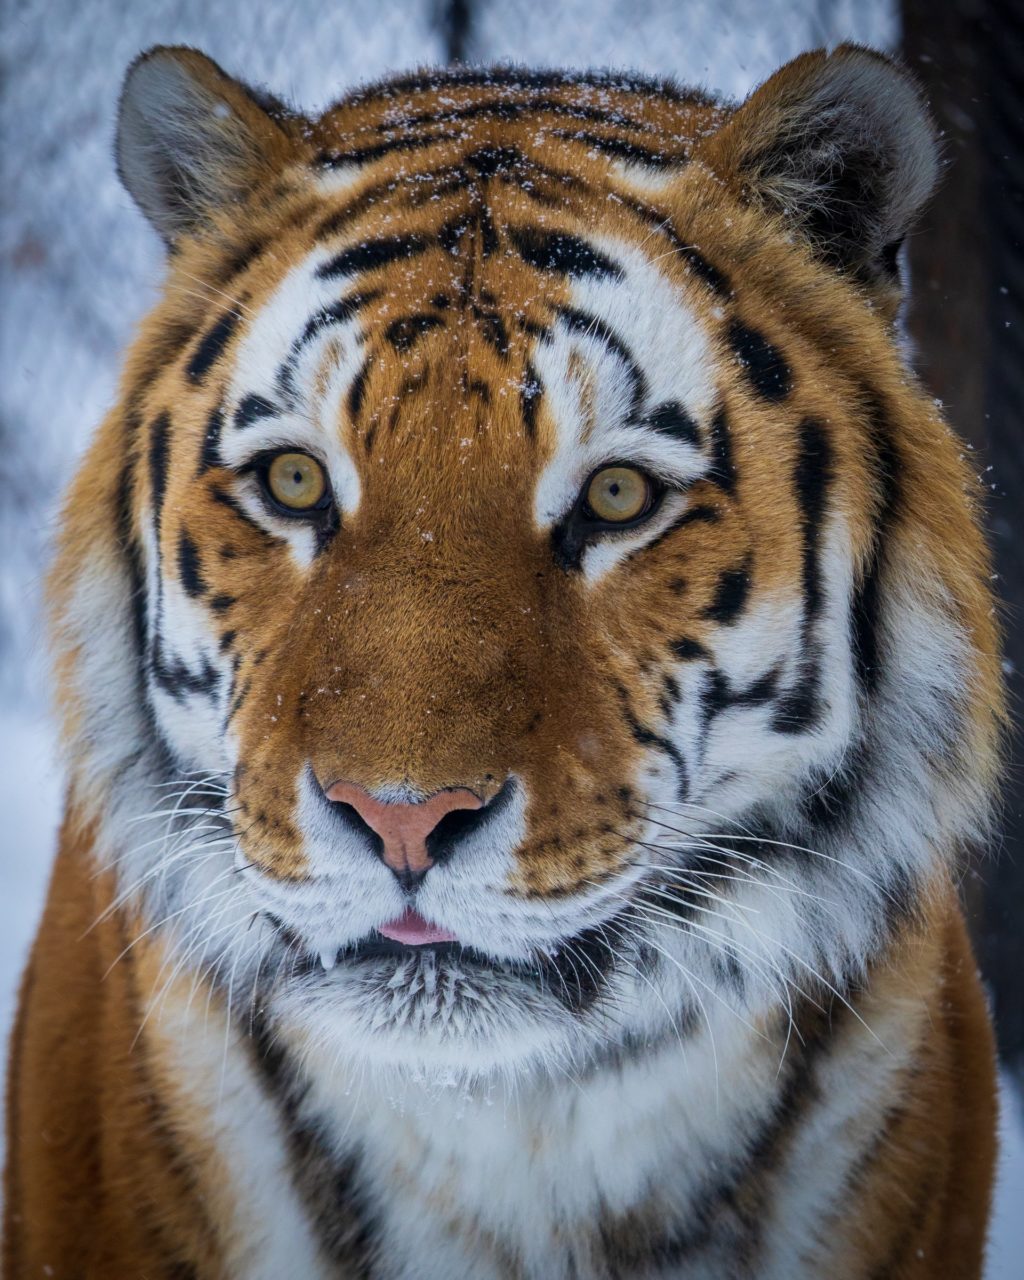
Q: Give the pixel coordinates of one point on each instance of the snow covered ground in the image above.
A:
(78, 266)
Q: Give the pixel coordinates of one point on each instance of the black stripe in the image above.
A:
(694, 259)
(561, 252)
(364, 155)
(358, 390)
(766, 370)
(530, 392)
(331, 1188)
(211, 346)
(252, 409)
(866, 607)
(800, 709)
(178, 680)
(372, 254)
(159, 459)
(130, 549)
(623, 149)
(812, 479)
(337, 313)
(671, 419)
(225, 499)
(723, 470)
(189, 566)
(648, 738)
(687, 650)
(693, 515)
(209, 455)
(404, 332)
(582, 322)
(731, 592)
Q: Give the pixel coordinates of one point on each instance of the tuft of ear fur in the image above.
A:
(191, 140)
(842, 144)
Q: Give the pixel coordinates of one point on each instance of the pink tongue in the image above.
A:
(414, 931)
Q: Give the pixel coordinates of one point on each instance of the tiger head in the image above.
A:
(521, 559)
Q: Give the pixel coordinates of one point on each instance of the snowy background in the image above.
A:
(78, 266)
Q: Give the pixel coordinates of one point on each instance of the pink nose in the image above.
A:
(404, 828)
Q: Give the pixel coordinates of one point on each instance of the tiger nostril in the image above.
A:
(402, 831)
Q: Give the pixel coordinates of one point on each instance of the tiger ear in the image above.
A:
(843, 146)
(191, 140)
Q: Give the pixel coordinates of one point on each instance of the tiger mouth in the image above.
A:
(575, 971)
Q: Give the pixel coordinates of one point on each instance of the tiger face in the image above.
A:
(555, 607)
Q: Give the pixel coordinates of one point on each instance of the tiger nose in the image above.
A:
(403, 828)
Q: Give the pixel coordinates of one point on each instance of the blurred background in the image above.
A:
(78, 266)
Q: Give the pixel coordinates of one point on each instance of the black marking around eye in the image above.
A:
(159, 458)
(558, 251)
(671, 419)
(189, 567)
(404, 332)
(211, 346)
(225, 499)
(731, 592)
(371, 254)
(583, 323)
(768, 373)
(251, 409)
(692, 515)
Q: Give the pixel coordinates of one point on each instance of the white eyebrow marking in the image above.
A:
(653, 319)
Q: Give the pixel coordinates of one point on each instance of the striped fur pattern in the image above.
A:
(711, 999)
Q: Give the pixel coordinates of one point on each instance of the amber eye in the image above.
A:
(619, 494)
(296, 481)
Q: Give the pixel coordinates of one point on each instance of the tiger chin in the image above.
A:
(528, 682)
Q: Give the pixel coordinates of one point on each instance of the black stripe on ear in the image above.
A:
(211, 346)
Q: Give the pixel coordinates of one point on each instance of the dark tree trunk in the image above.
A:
(967, 322)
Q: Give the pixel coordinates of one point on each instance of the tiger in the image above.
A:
(529, 684)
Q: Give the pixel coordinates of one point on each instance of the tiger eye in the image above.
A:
(296, 480)
(618, 494)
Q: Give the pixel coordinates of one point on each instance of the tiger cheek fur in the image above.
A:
(523, 637)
